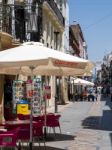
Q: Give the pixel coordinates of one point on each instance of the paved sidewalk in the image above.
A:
(80, 123)
(85, 125)
(106, 124)
(87, 138)
(60, 107)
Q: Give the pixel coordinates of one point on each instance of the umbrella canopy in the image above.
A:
(46, 61)
(78, 81)
(42, 70)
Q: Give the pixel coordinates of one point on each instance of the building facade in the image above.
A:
(40, 21)
(104, 73)
(106, 70)
(78, 46)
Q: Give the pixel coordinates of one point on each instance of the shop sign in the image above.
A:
(61, 63)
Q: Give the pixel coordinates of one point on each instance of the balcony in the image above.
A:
(57, 12)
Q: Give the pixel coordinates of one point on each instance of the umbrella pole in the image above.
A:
(45, 112)
(31, 128)
(45, 130)
(31, 113)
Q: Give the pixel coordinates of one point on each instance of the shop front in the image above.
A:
(18, 96)
(6, 41)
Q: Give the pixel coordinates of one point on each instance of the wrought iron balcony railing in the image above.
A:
(56, 10)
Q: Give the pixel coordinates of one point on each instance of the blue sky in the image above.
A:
(95, 19)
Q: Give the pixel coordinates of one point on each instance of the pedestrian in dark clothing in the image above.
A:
(91, 96)
(96, 94)
(107, 91)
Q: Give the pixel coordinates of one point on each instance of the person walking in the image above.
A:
(91, 96)
(96, 94)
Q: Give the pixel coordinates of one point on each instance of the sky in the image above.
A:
(95, 19)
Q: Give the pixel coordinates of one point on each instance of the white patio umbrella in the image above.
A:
(78, 81)
(18, 59)
(35, 59)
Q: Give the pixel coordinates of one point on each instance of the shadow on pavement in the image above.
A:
(103, 122)
(91, 122)
(49, 148)
(111, 138)
(42, 148)
(103, 97)
(106, 121)
(108, 103)
(59, 137)
(50, 138)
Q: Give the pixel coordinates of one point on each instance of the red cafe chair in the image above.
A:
(53, 122)
(23, 117)
(9, 138)
(24, 134)
(38, 118)
(38, 132)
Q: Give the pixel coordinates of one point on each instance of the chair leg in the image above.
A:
(49, 130)
(60, 129)
(44, 143)
(17, 148)
(19, 145)
(11, 148)
(54, 131)
(38, 141)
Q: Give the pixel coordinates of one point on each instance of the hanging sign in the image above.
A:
(29, 90)
(47, 91)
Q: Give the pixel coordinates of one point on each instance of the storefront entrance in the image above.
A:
(8, 97)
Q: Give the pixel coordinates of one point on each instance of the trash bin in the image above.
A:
(23, 107)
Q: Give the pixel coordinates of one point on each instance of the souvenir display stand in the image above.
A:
(18, 91)
(24, 90)
(38, 102)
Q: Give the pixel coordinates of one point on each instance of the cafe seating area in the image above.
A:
(84, 97)
(19, 130)
(52, 121)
